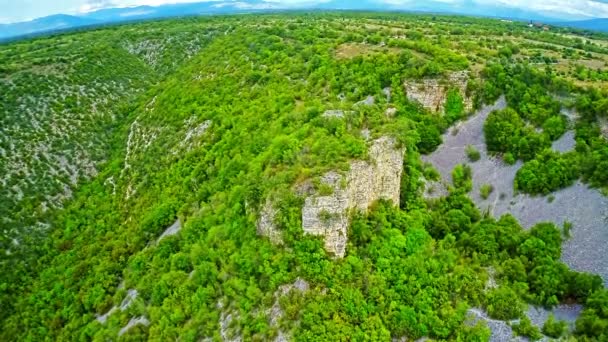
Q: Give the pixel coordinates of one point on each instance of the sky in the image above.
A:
(22, 10)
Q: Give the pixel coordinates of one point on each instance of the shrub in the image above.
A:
(486, 190)
(554, 328)
(503, 303)
(472, 153)
(527, 329)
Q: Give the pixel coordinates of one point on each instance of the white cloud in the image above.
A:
(12, 10)
(580, 8)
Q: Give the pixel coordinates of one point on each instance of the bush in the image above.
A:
(504, 304)
(485, 191)
(472, 153)
(509, 158)
(554, 328)
(462, 177)
(527, 329)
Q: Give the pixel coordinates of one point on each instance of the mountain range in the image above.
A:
(60, 22)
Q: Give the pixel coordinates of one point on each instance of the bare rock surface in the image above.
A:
(276, 313)
(124, 305)
(131, 296)
(565, 143)
(104, 318)
(172, 230)
(565, 312)
(369, 101)
(603, 122)
(266, 225)
(501, 331)
(226, 319)
(366, 182)
(133, 322)
(333, 113)
(431, 92)
(586, 208)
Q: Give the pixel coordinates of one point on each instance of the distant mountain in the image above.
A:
(116, 15)
(50, 23)
(600, 24)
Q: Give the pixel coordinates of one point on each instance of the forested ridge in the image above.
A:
(206, 120)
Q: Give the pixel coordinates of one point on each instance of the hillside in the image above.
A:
(293, 176)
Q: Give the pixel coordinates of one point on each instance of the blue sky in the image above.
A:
(21, 10)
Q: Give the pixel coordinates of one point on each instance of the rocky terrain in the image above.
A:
(431, 92)
(585, 208)
(328, 215)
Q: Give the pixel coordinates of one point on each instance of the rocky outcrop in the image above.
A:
(266, 225)
(275, 313)
(172, 230)
(333, 113)
(366, 182)
(431, 93)
(603, 122)
(133, 322)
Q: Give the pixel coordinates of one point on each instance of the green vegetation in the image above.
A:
(486, 190)
(204, 120)
(472, 153)
(555, 328)
(525, 328)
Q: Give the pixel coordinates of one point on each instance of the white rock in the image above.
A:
(266, 225)
(366, 182)
(133, 322)
(431, 93)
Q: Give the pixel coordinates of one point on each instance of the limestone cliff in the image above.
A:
(431, 93)
(366, 182)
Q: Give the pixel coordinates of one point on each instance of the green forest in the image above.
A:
(110, 136)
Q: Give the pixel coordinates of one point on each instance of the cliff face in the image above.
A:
(366, 182)
(431, 93)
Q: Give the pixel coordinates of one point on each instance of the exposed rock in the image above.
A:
(266, 225)
(585, 208)
(131, 296)
(564, 312)
(133, 322)
(276, 313)
(124, 305)
(174, 229)
(333, 113)
(104, 318)
(390, 112)
(387, 92)
(501, 331)
(366, 182)
(366, 133)
(603, 122)
(226, 319)
(565, 143)
(369, 101)
(431, 93)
